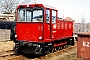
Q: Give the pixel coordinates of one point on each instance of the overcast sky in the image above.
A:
(70, 8)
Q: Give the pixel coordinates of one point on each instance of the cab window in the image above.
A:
(37, 16)
(21, 15)
(28, 16)
(53, 16)
(47, 16)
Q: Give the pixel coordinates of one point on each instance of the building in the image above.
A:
(7, 17)
(81, 27)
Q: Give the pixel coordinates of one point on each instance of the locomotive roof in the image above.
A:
(33, 5)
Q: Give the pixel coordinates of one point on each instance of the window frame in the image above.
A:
(48, 16)
(54, 22)
(29, 16)
(25, 20)
(42, 15)
(19, 15)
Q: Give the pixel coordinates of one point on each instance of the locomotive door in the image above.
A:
(47, 24)
(53, 25)
(50, 24)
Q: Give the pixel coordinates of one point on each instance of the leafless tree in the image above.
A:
(8, 6)
(82, 19)
(83, 23)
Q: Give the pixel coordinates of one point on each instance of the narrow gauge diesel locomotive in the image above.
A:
(38, 30)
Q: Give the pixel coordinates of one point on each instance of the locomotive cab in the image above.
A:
(34, 23)
(30, 24)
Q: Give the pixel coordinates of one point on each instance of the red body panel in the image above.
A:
(70, 30)
(47, 31)
(29, 31)
(64, 29)
(32, 31)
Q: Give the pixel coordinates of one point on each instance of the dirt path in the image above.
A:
(65, 54)
(70, 54)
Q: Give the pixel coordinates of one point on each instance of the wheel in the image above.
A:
(16, 49)
(57, 48)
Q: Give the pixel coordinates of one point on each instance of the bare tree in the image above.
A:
(82, 23)
(82, 19)
(8, 6)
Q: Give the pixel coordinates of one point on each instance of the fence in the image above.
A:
(5, 34)
(81, 27)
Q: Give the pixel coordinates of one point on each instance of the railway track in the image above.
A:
(10, 55)
(20, 57)
(56, 53)
(62, 51)
(7, 53)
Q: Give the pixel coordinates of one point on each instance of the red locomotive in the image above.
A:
(38, 29)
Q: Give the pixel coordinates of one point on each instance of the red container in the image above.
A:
(83, 45)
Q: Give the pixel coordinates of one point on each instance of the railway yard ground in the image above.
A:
(7, 53)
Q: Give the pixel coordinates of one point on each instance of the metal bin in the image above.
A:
(83, 45)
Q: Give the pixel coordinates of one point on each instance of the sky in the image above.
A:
(76, 9)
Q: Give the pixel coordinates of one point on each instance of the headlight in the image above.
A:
(15, 36)
(40, 37)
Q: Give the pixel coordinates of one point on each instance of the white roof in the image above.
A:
(49, 6)
(7, 15)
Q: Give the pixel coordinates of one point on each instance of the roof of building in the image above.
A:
(7, 15)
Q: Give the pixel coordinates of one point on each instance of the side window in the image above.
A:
(65, 25)
(53, 16)
(37, 16)
(62, 25)
(28, 16)
(47, 16)
(21, 15)
(70, 26)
